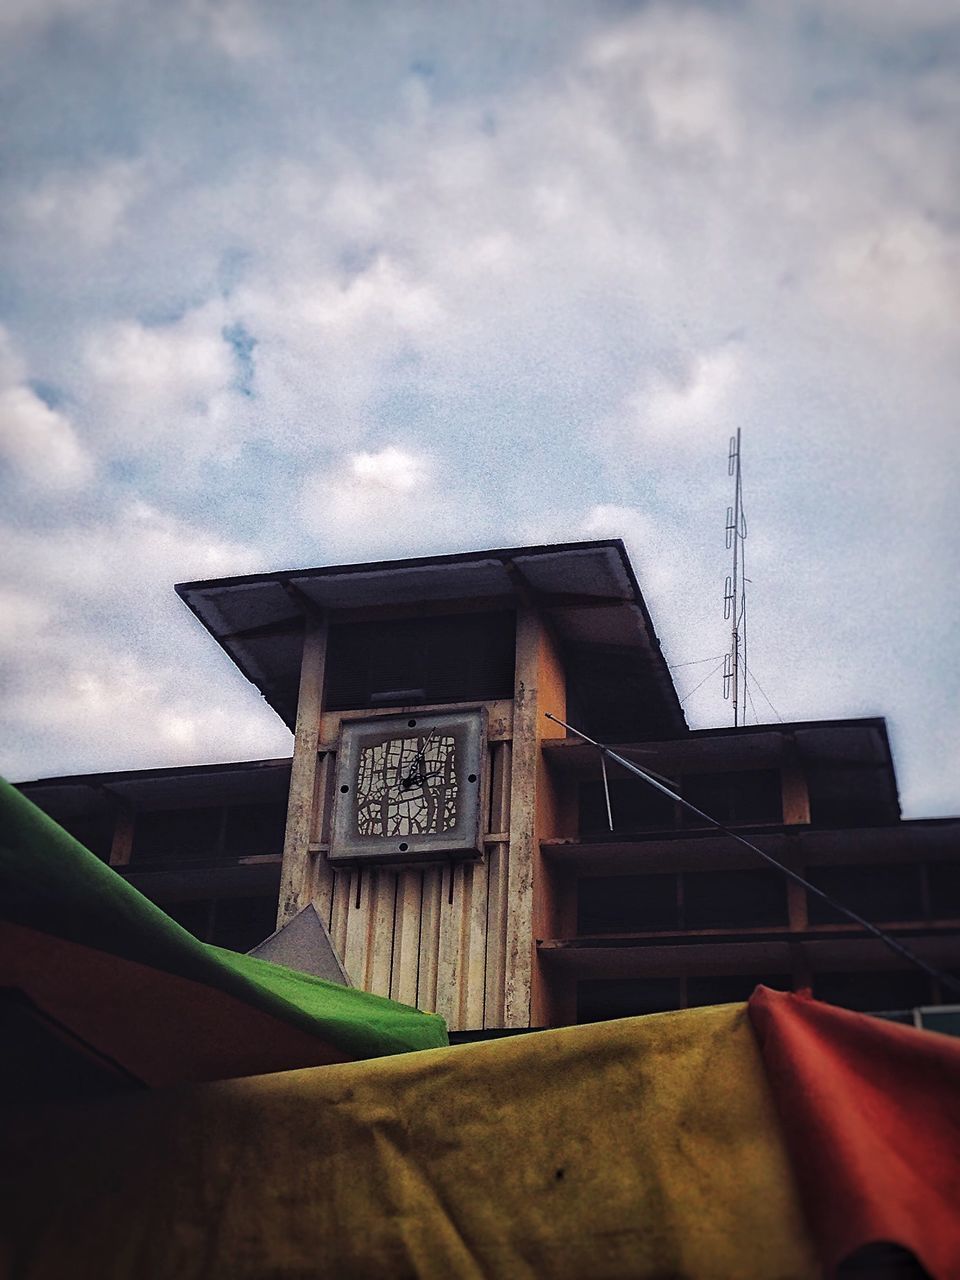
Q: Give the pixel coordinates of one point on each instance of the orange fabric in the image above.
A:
(871, 1116)
(162, 1028)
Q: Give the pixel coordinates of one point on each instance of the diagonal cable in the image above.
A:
(769, 703)
(951, 984)
(702, 682)
(694, 662)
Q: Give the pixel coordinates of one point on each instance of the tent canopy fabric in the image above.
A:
(773, 1139)
(870, 1112)
(777, 1139)
(647, 1147)
(52, 886)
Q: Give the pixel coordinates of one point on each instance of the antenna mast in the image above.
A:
(735, 591)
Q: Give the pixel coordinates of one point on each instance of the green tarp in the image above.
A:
(51, 883)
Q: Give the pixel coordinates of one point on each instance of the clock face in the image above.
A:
(408, 787)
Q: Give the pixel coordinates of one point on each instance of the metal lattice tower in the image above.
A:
(735, 591)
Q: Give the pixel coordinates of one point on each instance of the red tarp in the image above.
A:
(871, 1117)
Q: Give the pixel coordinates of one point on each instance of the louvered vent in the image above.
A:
(420, 660)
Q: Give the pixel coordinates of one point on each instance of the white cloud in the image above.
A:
(674, 66)
(323, 313)
(500, 273)
(21, 17)
(901, 275)
(391, 471)
(128, 712)
(124, 563)
(331, 344)
(39, 442)
(656, 556)
(384, 500)
(86, 208)
(23, 618)
(690, 410)
(100, 652)
(699, 403)
(680, 576)
(150, 386)
(897, 18)
(234, 27)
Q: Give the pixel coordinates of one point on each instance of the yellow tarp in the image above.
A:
(642, 1148)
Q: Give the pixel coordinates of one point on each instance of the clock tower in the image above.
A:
(420, 792)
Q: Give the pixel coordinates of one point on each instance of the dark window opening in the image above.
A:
(601, 999)
(944, 880)
(237, 924)
(254, 829)
(209, 834)
(874, 991)
(192, 916)
(882, 892)
(94, 831)
(695, 900)
(732, 988)
(750, 796)
(636, 806)
(743, 796)
(627, 904)
(851, 797)
(420, 660)
(734, 899)
(242, 923)
(176, 834)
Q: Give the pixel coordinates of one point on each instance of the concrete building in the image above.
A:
(457, 844)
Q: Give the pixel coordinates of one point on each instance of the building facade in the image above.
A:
(457, 843)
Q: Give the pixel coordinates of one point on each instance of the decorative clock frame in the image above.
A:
(408, 788)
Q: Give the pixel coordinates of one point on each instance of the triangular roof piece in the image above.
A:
(304, 944)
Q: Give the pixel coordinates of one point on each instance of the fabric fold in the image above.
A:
(871, 1117)
(52, 888)
(631, 1150)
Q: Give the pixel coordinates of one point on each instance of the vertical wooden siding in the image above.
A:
(432, 936)
(456, 938)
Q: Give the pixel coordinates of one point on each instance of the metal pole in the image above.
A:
(735, 636)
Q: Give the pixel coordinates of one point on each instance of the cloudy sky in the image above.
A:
(290, 283)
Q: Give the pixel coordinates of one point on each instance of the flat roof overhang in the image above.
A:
(839, 758)
(176, 786)
(587, 591)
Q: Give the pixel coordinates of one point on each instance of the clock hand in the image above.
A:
(420, 780)
(414, 769)
(404, 784)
